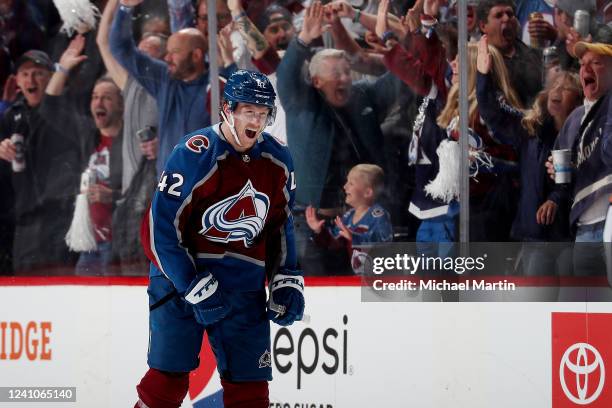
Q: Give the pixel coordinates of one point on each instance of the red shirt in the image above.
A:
(101, 213)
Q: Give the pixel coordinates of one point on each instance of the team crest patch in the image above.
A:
(240, 217)
(197, 143)
(265, 360)
(377, 212)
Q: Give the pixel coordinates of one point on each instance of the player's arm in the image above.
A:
(287, 285)
(164, 232)
(166, 217)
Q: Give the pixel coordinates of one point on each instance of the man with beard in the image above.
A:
(179, 85)
(105, 164)
(496, 19)
(41, 194)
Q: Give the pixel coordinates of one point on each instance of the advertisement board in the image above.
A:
(350, 354)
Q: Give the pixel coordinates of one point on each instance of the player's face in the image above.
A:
(179, 58)
(279, 32)
(595, 75)
(334, 81)
(249, 121)
(32, 80)
(356, 189)
(106, 105)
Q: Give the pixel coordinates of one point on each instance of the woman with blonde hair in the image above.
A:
(420, 61)
(533, 134)
(493, 164)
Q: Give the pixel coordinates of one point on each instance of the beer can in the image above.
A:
(18, 164)
(536, 42)
(582, 23)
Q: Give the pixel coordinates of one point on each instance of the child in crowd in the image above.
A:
(365, 223)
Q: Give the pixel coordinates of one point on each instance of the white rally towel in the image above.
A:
(77, 15)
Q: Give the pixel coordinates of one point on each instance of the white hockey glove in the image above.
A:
(286, 303)
(207, 300)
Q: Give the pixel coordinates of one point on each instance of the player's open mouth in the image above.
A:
(32, 90)
(100, 114)
(250, 133)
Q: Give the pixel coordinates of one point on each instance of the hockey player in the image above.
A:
(220, 219)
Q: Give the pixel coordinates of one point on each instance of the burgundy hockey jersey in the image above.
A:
(223, 212)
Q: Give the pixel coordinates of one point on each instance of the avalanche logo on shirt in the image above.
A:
(240, 217)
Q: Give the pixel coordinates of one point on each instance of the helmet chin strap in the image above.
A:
(231, 126)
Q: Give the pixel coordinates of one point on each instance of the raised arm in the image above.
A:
(69, 59)
(292, 90)
(255, 40)
(503, 120)
(115, 70)
(365, 19)
(418, 61)
(148, 71)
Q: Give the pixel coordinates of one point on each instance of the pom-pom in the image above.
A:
(445, 186)
(80, 236)
(77, 15)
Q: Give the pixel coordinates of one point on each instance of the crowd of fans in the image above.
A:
(368, 103)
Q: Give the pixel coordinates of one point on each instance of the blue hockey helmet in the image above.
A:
(250, 87)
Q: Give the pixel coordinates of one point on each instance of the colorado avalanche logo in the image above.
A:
(240, 217)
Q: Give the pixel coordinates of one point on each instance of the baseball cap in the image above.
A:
(570, 6)
(36, 56)
(266, 17)
(597, 48)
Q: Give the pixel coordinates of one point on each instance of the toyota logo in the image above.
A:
(582, 368)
